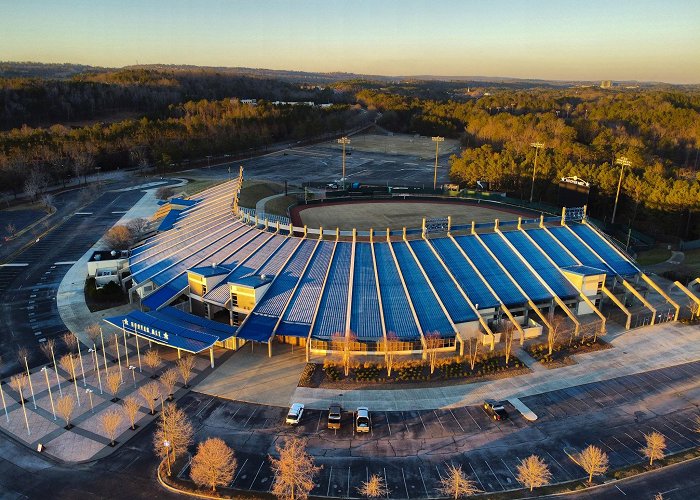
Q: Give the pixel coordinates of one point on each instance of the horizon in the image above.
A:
(644, 41)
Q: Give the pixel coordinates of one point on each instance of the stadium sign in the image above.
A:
(436, 225)
(147, 330)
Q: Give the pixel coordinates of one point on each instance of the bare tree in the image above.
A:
(22, 354)
(152, 360)
(508, 335)
(65, 406)
(110, 421)
(391, 345)
(185, 365)
(697, 423)
(433, 342)
(71, 341)
(593, 460)
(83, 161)
(47, 202)
(47, 348)
(214, 464)
(150, 393)
(169, 379)
(655, 448)
(137, 227)
(36, 182)
(68, 365)
(113, 382)
(18, 382)
(533, 472)
(554, 332)
(344, 344)
(694, 309)
(294, 471)
(473, 353)
(374, 487)
(164, 192)
(131, 409)
(93, 332)
(174, 428)
(119, 237)
(455, 484)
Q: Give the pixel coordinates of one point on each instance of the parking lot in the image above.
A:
(28, 283)
(412, 448)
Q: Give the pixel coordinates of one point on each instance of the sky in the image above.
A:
(646, 40)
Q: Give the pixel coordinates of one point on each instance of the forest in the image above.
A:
(584, 130)
(56, 128)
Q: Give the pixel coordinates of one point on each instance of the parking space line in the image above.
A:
(453, 416)
(330, 476)
(421, 421)
(318, 425)
(681, 435)
(438, 419)
(256, 474)
(348, 494)
(640, 444)
(494, 475)
(234, 414)
(693, 431)
(239, 472)
(404, 483)
(473, 420)
(510, 471)
(613, 451)
(404, 421)
(251, 416)
(204, 407)
(559, 465)
(423, 481)
(476, 476)
(623, 444)
(387, 422)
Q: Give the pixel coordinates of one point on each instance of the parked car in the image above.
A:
(495, 410)
(295, 413)
(362, 421)
(334, 413)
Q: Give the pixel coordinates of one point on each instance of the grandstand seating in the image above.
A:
(319, 288)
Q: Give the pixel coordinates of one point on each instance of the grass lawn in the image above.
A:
(653, 256)
(279, 206)
(692, 260)
(253, 191)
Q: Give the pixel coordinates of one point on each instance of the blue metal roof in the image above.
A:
(365, 320)
(583, 270)
(169, 220)
(334, 301)
(207, 271)
(605, 249)
(170, 331)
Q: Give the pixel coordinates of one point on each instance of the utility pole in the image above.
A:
(537, 146)
(437, 140)
(623, 161)
(344, 141)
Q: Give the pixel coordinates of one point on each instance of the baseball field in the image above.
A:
(397, 214)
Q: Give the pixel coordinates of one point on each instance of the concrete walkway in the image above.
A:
(260, 204)
(249, 375)
(634, 351)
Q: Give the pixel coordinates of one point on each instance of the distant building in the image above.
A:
(606, 84)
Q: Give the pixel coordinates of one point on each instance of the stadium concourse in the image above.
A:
(220, 275)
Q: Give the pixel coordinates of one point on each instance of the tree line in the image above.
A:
(584, 130)
(37, 157)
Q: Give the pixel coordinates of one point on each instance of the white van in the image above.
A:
(362, 421)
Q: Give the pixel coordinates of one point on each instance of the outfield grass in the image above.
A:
(279, 206)
(653, 256)
(254, 191)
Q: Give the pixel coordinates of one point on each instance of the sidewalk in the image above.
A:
(634, 351)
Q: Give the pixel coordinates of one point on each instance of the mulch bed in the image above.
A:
(412, 375)
(562, 354)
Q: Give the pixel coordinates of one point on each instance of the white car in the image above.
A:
(295, 413)
(362, 421)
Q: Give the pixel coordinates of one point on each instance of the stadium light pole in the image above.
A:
(623, 161)
(437, 140)
(344, 141)
(537, 146)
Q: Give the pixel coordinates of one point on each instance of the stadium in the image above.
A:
(216, 274)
